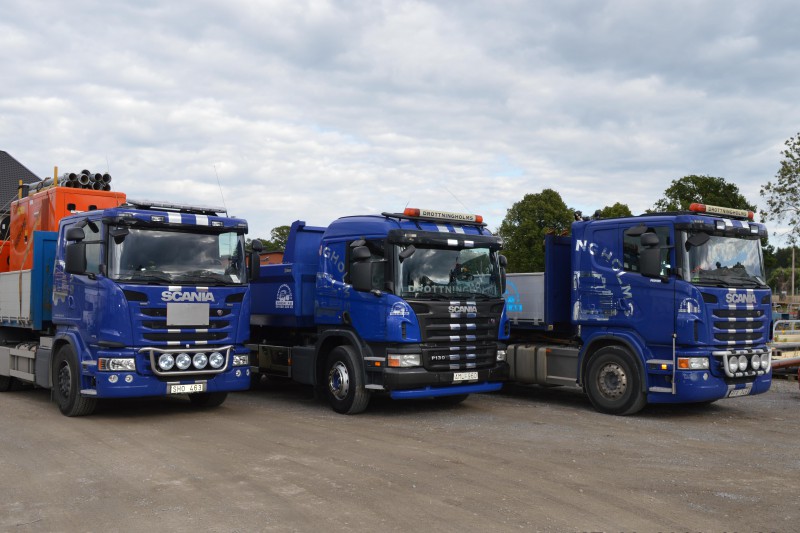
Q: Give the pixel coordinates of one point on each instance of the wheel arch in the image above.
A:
(327, 342)
(605, 341)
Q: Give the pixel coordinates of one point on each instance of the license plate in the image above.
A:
(465, 376)
(739, 392)
(187, 389)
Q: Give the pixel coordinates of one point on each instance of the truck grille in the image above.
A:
(458, 335)
(740, 326)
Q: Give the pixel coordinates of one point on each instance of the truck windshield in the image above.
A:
(726, 261)
(432, 272)
(160, 256)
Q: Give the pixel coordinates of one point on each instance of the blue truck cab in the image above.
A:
(409, 304)
(660, 308)
(142, 299)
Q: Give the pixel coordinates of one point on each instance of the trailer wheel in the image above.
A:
(345, 386)
(208, 399)
(613, 382)
(66, 385)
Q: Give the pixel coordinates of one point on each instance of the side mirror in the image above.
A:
(75, 256)
(503, 262)
(650, 256)
(697, 239)
(75, 234)
(255, 260)
(119, 234)
(361, 275)
(407, 252)
(360, 253)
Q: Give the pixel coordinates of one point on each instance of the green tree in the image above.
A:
(701, 189)
(525, 225)
(780, 281)
(277, 241)
(783, 196)
(617, 210)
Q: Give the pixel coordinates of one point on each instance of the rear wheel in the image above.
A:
(66, 384)
(208, 399)
(344, 384)
(613, 382)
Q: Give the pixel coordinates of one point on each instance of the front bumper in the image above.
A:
(401, 382)
(701, 386)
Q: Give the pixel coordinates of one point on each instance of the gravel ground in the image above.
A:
(277, 459)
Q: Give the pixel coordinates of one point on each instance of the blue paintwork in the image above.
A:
(435, 392)
(96, 318)
(607, 303)
(309, 291)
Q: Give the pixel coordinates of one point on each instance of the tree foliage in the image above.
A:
(526, 224)
(617, 210)
(780, 280)
(701, 189)
(277, 241)
(783, 196)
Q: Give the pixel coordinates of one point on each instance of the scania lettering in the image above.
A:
(660, 308)
(405, 304)
(104, 297)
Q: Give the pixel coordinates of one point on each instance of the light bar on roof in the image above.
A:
(442, 215)
(726, 211)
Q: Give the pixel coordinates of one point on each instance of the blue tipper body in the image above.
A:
(309, 304)
(593, 296)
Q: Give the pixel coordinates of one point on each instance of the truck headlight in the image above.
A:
(766, 361)
(166, 361)
(241, 360)
(404, 360)
(183, 361)
(733, 363)
(501, 355)
(693, 363)
(200, 360)
(216, 360)
(116, 364)
(742, 363)
(756, 362)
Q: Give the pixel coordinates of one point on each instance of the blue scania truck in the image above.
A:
(660, 308)
(406, 304)
(102, 297)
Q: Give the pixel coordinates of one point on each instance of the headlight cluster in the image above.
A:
(185, 361)
(751, 364)
(405, 360)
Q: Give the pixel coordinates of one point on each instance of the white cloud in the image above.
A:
(318, 109)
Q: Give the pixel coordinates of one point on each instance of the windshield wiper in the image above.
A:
(149, 275)
(203, 275)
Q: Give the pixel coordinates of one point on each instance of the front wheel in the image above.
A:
(344, 383)
(208, 399)
(613, 382)
(66, 384)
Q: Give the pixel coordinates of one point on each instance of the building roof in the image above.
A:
(11, 171)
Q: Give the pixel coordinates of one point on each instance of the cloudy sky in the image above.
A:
(307, 109)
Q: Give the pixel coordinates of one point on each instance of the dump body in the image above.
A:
(118, 297)
(695, 330)
(426, 318)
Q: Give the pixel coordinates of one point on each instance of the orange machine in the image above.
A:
(42, 211)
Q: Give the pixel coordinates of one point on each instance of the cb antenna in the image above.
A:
(220, 190)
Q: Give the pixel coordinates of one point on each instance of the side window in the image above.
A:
(631, 247)
(93, 247)
(377, 249)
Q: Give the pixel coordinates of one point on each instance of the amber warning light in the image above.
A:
(717, 210)
(442, 215)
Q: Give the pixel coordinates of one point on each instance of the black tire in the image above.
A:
(207, 400)
(5, 383)
(67, 384)
(613, 382)
(344, 385)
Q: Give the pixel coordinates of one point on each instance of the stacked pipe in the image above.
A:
(84, 180)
